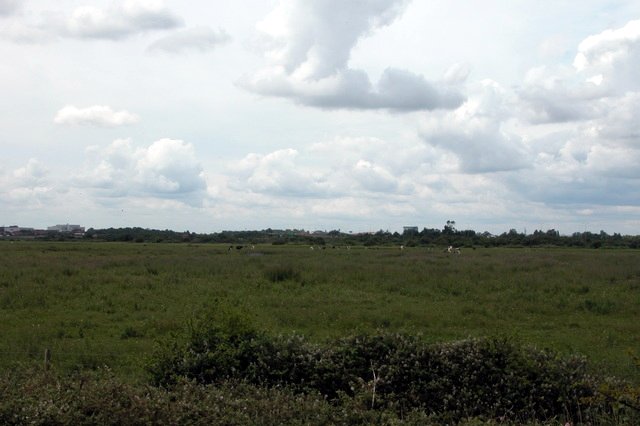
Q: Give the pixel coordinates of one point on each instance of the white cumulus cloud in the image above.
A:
(374, 177)
(32, 174)
(119, 20)
(605, 66)
(199, 38)
(557, 94)
(594, 105)
(278, 173)
(26, 187)
(362, 167)
(608, 47)
(476, 134)
(309, 45)
(314, 39)
(169, 166)
(166, 169)
(96, 115)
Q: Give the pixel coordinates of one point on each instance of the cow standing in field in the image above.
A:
(452, 250)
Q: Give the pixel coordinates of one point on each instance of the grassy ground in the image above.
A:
(107, 303)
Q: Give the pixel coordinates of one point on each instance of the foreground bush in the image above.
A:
(99, 398)
(489, 379)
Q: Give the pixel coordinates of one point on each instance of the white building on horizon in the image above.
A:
(66, 228)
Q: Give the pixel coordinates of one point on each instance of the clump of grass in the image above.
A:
(582, 289)
(69, 272)
(280, 273)
(600, 307)
(131, 333)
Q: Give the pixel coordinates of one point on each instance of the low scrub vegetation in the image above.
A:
(395, 373)
(101, 398)
(231, 374)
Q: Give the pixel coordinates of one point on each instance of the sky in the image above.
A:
(358, 115)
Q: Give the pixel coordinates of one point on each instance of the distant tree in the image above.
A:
(450, 227)
(553, 233)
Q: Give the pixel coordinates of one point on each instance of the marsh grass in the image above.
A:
(278, 273)
(96, 304)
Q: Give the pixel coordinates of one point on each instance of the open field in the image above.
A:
(107, 303)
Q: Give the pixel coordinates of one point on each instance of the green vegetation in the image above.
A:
(474, 378)
(382, 379)
(448, 235)
(110, 304)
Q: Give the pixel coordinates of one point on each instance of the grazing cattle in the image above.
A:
(452, 249)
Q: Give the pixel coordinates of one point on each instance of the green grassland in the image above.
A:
(95, 304)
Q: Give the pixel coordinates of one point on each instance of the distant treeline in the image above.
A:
(410, 238)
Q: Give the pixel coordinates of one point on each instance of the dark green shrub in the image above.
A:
(214, 347)
(486, 378)
(99, 397)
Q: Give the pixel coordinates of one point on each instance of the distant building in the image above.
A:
(15, 230)
(410, 229)
(10, 230)
(74, 229)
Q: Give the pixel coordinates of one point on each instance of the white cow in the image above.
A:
(452, 249)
